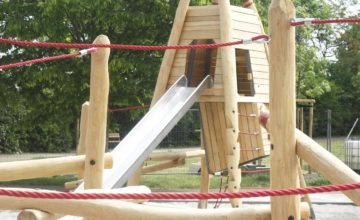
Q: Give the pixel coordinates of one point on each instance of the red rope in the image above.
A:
(128, 108)
(298, 22)
(130, 47)
(45, 59)
(167, 196)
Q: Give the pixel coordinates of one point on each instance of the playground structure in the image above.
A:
(233, 111)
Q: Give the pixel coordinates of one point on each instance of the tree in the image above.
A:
(53, 92)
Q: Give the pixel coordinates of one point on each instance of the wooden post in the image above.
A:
(230, 96)
(204, 178)
(311, 124)
(81, 148)
(283, 160)
(96, 131)
(169, 55)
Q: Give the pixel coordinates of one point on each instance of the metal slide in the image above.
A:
(133, 150)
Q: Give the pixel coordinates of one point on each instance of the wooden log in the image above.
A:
(230, 94)
(176, 155)
(163, 165)
(114, 210)
(72, 184)
(80, 149)
(283, 159)
(204, 178)
(30, 169)
(169, 55)
(33, 214)
(96, 131)
(328, 165)
(306, 197)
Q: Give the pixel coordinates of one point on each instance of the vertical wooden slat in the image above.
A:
(223, 148)
(212, 133)
(206, 135)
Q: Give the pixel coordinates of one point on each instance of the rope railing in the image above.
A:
(177, 196)
(313, 21)
(257, 39)
(46, 59)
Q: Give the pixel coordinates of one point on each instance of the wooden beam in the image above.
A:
(169, 55)
(230, 94)
(80, 149)
(163, 165)
(73, 184)
(283, 159)
(96, 131)
(205, 177)
(328, 165)
(177, 155)
(30, 169)
(114, 210)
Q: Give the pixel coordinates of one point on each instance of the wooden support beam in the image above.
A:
(163, 165)
(283, 159)
(328, 165)
(96, 131)
(176, 155)
(169, 55)
(30, 169)
(114, 210)
(204, 178)
(230, 96)
(80, 149)
(73, 184)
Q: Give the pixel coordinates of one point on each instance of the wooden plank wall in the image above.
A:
(252, 137)
(246, 25)
(202, 23)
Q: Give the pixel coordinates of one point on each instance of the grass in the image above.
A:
(46, 181)
(337, 146)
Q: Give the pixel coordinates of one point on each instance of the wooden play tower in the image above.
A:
(230, 110)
